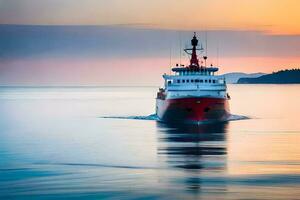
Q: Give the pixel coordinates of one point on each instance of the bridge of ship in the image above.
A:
(193, 79)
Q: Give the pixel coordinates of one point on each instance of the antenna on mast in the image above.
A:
(218, 53)
(205, 57)
(170, 56)
(206, 42)
(180, 48)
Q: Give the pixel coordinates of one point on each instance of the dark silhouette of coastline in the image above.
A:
(233, 77)
(281, 77)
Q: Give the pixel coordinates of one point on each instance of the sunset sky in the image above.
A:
(135, 36)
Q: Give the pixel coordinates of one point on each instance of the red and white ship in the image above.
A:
(193, 94)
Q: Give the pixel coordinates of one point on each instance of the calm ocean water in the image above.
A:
(85, 143)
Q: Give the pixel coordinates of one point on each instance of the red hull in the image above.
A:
(192, 110)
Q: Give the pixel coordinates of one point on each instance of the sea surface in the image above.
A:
(105, 143)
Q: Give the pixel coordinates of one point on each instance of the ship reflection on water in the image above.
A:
(198, 151)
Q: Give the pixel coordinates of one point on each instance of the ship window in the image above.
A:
(201, 81)
(197, 80)
(205, 81)
(192, 80)
(169, 82)
(209, 81)
(214, 81)
(188, 81)
(183, 81)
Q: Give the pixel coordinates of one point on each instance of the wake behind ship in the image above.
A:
(194, 93)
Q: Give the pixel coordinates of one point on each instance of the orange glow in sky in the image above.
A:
(274, 16)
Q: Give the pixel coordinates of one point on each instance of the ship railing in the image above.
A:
(177, 87)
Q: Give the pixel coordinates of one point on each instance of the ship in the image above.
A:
(193, 93)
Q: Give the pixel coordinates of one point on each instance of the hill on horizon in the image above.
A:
(281, 77)
(233, 77)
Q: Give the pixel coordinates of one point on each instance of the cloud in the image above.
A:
(123, 41)
(74, 55)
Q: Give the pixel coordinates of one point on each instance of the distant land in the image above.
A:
(235, 76)
(280, 77)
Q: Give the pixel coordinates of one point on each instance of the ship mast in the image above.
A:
(194, 65)
(194, 59)
(194, 62)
